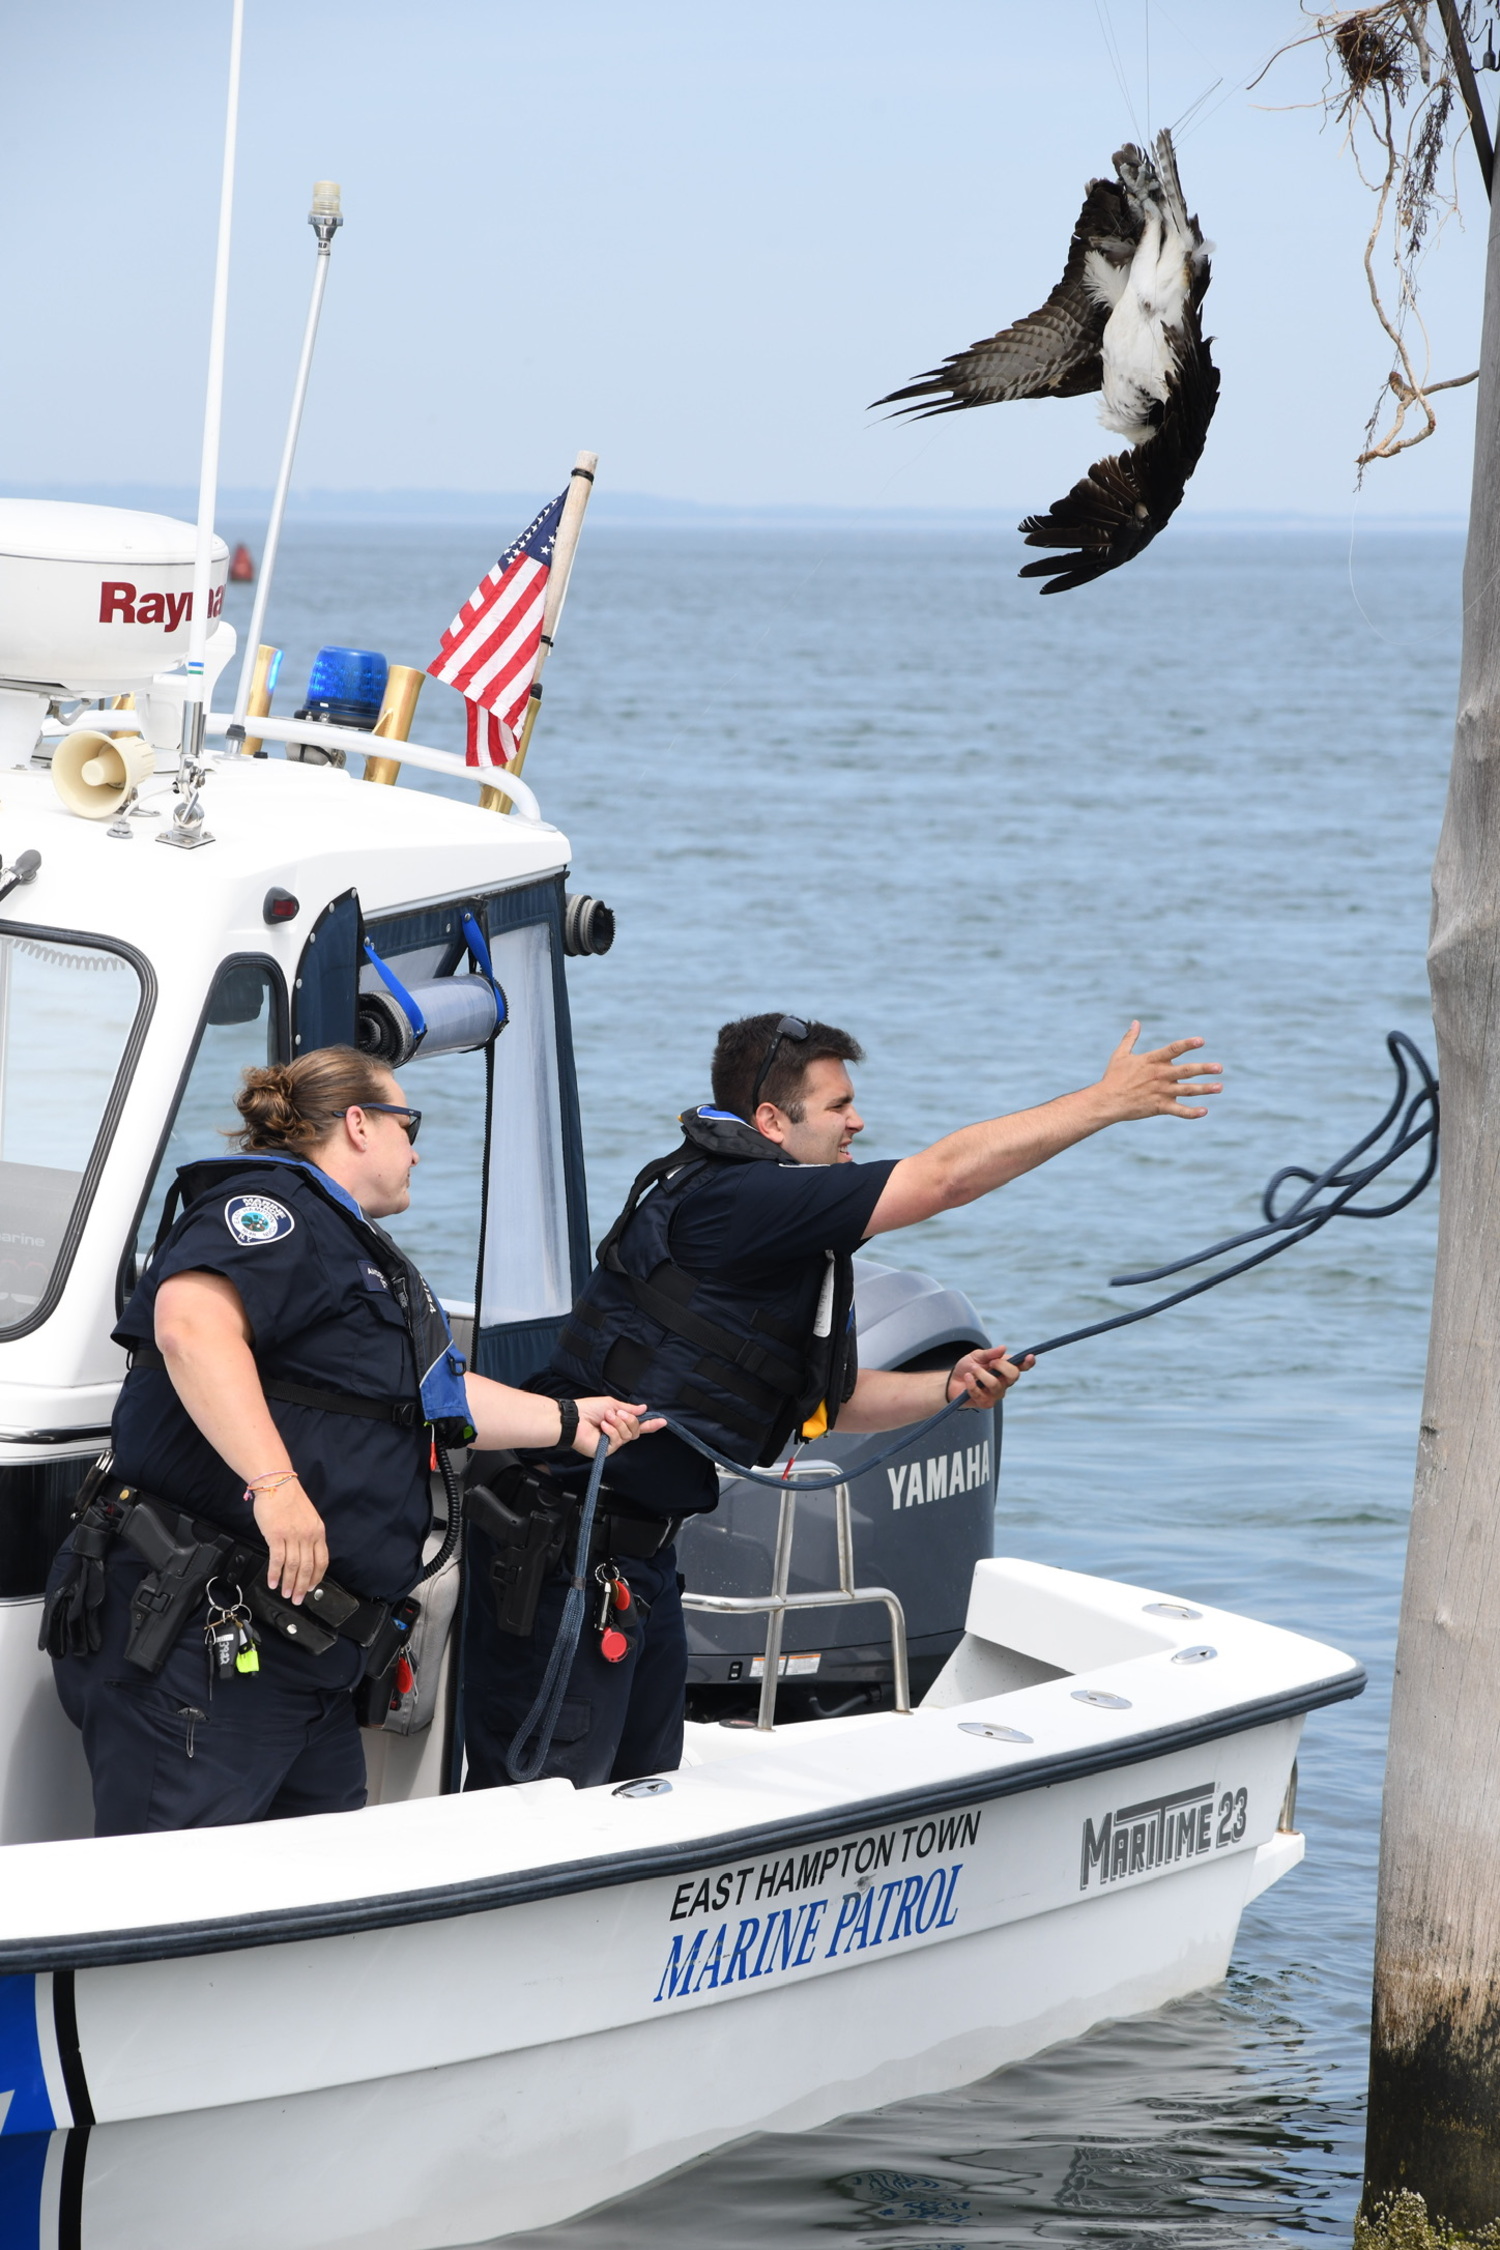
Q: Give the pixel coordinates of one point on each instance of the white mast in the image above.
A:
(187, 826)
(324, 218)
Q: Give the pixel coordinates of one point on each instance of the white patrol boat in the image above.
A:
(454, 2016)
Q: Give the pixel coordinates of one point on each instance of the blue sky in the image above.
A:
(697, 238)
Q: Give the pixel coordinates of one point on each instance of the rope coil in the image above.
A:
(1407, 1123)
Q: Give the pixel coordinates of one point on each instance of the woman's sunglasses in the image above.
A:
(412, 1117)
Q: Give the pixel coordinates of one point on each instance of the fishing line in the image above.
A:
(1176, 128)
(1237, 86)
(1353, 589)
(1111, 48)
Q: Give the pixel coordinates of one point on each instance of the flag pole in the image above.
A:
(580, 485)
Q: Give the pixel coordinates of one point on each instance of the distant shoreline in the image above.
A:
(507, 511)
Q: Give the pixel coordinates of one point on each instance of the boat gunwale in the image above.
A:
(613, 1870)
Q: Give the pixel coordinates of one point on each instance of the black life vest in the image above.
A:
(442, 1398)
(743, 1368)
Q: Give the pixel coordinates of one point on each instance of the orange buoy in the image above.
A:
(241, 565)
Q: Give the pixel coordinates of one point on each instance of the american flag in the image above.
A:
(489, 652)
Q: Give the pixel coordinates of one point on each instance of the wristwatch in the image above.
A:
(567, 1414)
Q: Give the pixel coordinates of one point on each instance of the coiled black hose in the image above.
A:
(1406, 1123)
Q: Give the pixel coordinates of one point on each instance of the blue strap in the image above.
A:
(398, 991)
(479, 952)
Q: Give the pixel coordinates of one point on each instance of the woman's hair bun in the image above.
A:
(296, 1105)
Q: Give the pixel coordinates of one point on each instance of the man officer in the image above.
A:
(723, 1294)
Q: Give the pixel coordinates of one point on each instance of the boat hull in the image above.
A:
(451, 2080)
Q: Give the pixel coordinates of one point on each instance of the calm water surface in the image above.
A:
(867, 775)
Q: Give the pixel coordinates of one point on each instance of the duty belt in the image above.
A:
(632, 1536)
(185, 1556)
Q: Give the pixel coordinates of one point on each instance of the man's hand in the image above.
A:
(986, 1376)
(1152, 1085)
(979, 1158)
(609, 1420)
(293, 1530)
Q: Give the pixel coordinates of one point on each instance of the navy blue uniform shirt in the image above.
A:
(746, 1223)
(321, 1313)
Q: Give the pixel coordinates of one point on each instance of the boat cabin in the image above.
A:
(164, 929)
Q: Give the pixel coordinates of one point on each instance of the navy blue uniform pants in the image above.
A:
(164, 1753)
(618, 1721)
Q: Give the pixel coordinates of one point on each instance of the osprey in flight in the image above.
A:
(1123, 321)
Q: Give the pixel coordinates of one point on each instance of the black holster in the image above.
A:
(527, 1520)
(372, 1697)
(180, 1566)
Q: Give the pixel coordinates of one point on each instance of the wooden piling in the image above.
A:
(1434, 2125)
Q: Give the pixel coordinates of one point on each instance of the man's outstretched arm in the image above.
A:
(968, 1163)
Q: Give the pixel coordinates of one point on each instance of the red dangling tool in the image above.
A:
(614, 1646)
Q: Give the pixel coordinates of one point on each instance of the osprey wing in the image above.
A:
(1119, 507)
(1053, 352)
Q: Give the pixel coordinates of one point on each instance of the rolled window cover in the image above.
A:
(459, 1013)
(526, 1268)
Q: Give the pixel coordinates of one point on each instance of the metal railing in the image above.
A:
(774, 1606)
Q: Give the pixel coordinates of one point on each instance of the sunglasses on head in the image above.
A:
(412, 1118)
(790, 1027)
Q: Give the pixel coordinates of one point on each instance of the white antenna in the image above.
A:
(324, 218)
(187, 824)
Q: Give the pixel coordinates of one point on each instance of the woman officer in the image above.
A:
(289, 1371)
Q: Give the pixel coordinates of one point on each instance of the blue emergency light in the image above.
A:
(346, 687)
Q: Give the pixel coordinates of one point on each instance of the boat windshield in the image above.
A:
(66, 1012)
(244, 1024)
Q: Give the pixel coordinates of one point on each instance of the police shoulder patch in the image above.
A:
(257, 1218)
